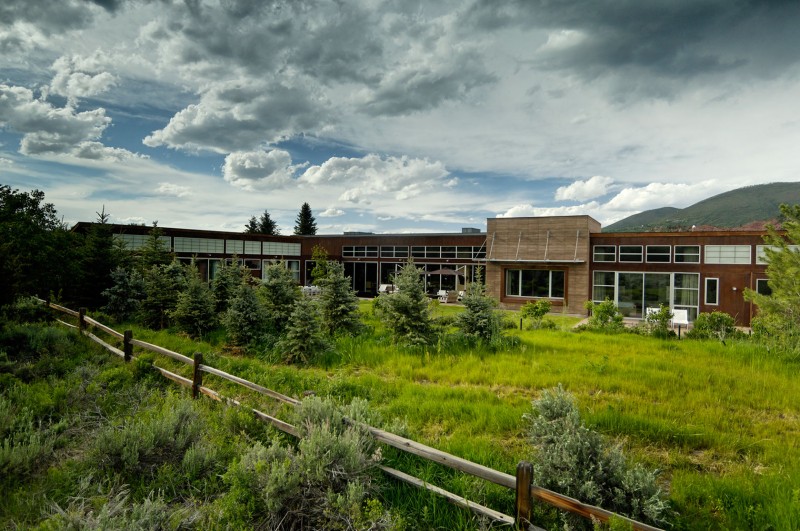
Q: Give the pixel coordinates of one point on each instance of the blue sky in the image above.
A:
(393, 116)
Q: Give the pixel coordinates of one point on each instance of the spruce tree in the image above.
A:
(305, 225)
(479, 318)
(303, 338)
(279, 291)
(194, 310)
(155, 251)
(267, 226)
(407, 313)
(252, 226)
(99, 258)
(226, 282)
(245, 319)
(162, 285)
(338, 302)
(124, 297)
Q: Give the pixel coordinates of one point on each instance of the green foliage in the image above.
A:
(154, 252)
(162, 285)
(142, 444)
(657, 323)
(714, 325)
(576, 461)
(326, 483)
(37, 254)
(338, 303)
(195, 311)
(225, 285)
(264, 225)
(124, 297)
(321, 263)
(605, 316)
(305, 224)
(407, 313)
(278, 294)
(245, 319)
(479, 319)
(302, 340)
(27, 310)
(536, 311)
(778, 319)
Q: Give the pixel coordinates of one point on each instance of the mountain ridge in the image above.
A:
(746, 208)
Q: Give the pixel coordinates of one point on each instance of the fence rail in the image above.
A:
(522, 483)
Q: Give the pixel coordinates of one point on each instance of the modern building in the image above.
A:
(565, 259)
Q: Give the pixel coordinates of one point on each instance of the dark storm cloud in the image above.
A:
(675, 39)
(47, 16)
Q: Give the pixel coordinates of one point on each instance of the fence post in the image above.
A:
(81, 320)
(524, 500)
(127, 346)
(197, 375)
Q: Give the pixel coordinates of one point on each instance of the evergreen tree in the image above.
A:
(305, 225)
(479, 318)
(226, 282)
(252, 226)
(778, 319)
(195, 311)
(279, 291)
(245, 318)
(99, 257)
(162, 284)
(303, 338)
(124, 297)
(155, 251)
(338, 302)
(407, 313)
(267, 226)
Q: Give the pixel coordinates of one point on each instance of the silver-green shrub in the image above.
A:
(573, 460)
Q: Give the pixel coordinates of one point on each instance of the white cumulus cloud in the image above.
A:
(584, 190)
(80, 77)
(259, 169)
(172, 189)
(656, 195)
(332, 213)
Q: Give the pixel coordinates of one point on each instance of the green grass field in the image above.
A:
(721, 422)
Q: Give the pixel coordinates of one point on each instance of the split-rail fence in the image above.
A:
(522, 482)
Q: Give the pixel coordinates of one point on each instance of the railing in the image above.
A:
(521, 483)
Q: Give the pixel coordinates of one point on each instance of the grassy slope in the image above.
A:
(720, 421)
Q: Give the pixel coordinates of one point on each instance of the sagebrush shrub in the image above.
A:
(605, 316)
(578, 462)
(714, 325)
(325, 483)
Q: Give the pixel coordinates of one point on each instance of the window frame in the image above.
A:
(596, 254)
(706, 291)
(629, 255)
(649, 256)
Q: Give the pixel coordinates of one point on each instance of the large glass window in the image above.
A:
(656, 289)
(535, 283)
(727, 254)
(761, 255)
(358, 251)
(630, 253)
(687, 254)
(686, 293)
(712, 291)
(605, 253)
(630, 289)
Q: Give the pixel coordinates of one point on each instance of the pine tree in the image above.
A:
(99, 258)
(163, 284)
(155, 251)
(124, 297)
(194, 309)
(407, 313)
(321, 264)
(479, 318)
(267, 226)
(279, 291)
(226, 282)
(252, 226)
(245, 318)
(305, 225)
(338, 302)
(303, 338)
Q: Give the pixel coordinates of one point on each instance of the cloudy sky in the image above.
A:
(395, 115)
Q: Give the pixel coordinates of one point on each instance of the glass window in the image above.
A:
(687, 254)
(712, 291)
(685, 293)
(727, 254)
(761, 255)
(535, 283)
(605, 253)
(448, 252)
(464, 252)
(659, 253)
(252, 247)
(432, 252)
(603, 286)
(512, 282)
(418, 252)
(762, 287)
(234, 247)
(630, 253)
(656, 289)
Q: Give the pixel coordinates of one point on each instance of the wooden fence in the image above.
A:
(522, 482)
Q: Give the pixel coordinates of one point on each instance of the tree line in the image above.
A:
(305, 223)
